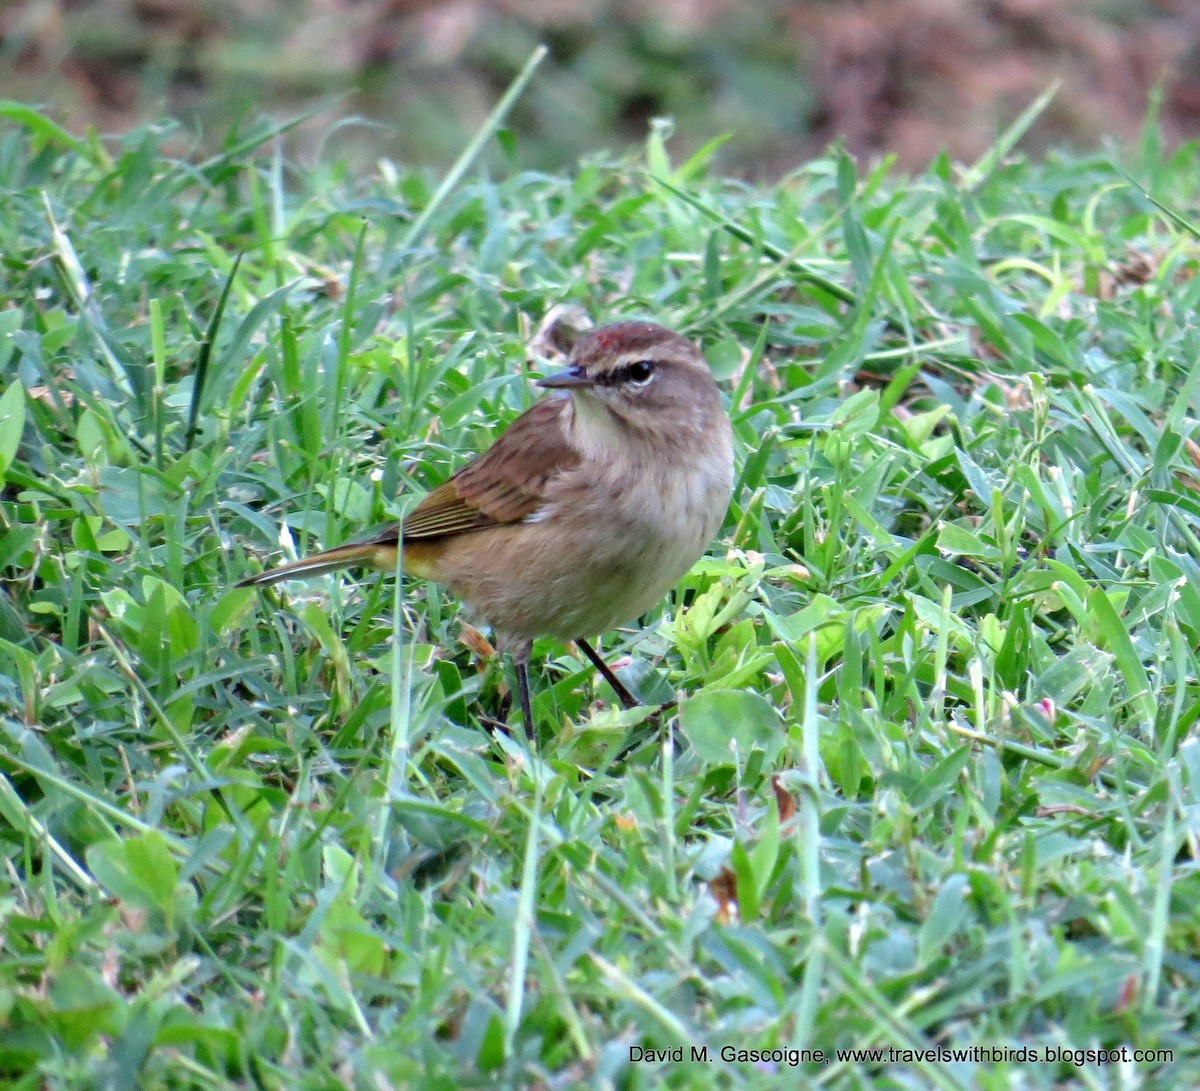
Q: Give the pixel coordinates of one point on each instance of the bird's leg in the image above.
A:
(526, 707)
(623, 695)
(520, 655)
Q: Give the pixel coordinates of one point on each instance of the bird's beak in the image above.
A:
(570, 379)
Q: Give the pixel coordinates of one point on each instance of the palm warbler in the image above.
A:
(585, 512)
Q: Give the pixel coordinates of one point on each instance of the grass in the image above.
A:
(934, 782)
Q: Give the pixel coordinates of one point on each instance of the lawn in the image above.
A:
(932, 788)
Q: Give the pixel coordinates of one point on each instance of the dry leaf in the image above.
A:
(783, 800)
(479, 645)
(723, 888)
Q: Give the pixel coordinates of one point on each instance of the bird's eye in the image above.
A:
(639, 372)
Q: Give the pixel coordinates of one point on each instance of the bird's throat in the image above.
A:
(595, 431)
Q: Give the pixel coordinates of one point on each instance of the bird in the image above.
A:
(583, 513)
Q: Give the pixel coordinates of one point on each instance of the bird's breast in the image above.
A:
(611, 540)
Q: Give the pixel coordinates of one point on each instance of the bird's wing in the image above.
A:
(505, 484)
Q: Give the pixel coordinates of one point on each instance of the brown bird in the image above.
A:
(585, 512)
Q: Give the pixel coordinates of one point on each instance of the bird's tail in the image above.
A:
(368, 554)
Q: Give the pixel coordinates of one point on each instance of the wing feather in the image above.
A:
(505, 484)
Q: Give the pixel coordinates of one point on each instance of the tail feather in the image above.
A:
(329, 560)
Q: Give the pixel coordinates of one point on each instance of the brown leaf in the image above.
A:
(48, 397)
(1128, 993)
(1064, 808)
(479, 645)
(1137, 268)
(783, 800)
(559, 330)
(723, 888)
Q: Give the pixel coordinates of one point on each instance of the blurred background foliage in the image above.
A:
(783, 76)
